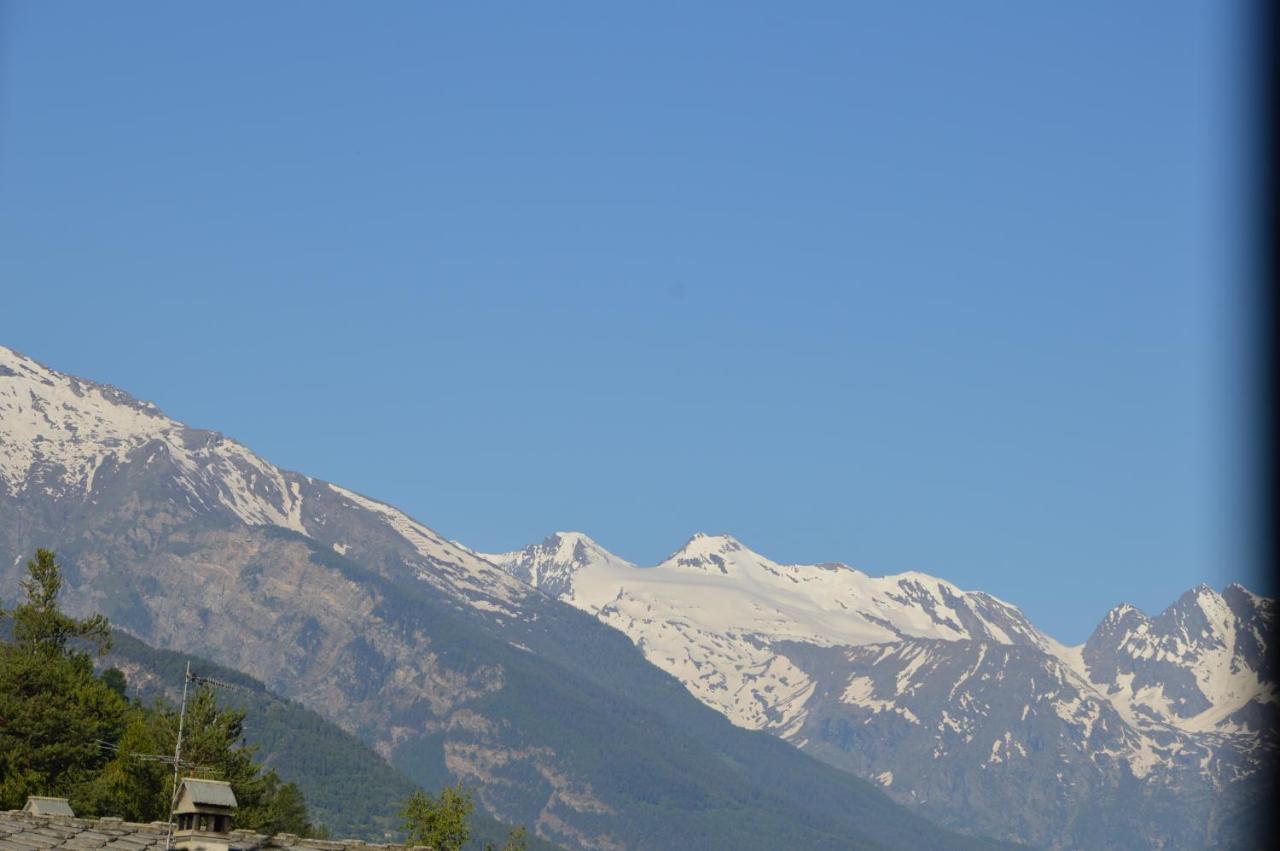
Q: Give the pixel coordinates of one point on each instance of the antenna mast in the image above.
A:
(177, 758)
(178, 764)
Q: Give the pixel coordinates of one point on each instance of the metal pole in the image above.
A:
(177, 758)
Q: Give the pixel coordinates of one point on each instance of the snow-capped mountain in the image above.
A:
(936, 693)
(448, 665)
(1203, 665)
(1154, 733)
(710, 611)
(63, 436)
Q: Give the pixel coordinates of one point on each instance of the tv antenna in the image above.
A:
(151, 757)
(178, 764)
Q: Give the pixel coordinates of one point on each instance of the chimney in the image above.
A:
(38, 805)
(203, 812)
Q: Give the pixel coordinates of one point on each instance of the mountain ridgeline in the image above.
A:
(1156, 732)
(717, 700)
(448, 666)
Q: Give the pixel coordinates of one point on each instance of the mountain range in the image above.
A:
(1154, 731)
(717, 700)
(449, 667)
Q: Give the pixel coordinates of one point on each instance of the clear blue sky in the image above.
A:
(952, 287)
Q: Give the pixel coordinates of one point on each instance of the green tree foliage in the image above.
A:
(67, 732)
(128, 787)
(53, 713)
(443, 823)
(115, 680)
(53, 710)
(39, 626)
(213, 743)
(439, 822)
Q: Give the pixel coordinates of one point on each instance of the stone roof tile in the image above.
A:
(21, 831)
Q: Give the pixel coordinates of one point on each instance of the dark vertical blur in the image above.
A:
(1257, 172)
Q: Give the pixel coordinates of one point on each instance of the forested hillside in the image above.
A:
(349, 788)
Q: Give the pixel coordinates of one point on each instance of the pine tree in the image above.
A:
(39, 625)
(53, 710)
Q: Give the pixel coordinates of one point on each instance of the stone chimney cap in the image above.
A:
(41, 806)
(206, 793)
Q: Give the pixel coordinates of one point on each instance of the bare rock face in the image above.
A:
(1201, 665)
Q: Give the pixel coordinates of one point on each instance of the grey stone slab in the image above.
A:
(56, 832)
(126, 844)
(95, 836)
(6, 845)
(34, 839)
(16, 841)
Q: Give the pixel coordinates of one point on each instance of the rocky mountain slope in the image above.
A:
(451, 667)
(1156, 732)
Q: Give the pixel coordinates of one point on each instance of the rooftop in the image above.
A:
(214, 793)
(44, 806)
(20, 831)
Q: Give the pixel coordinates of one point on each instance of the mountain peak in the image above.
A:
(1246, 603)
(59, 430)
(703, 542)
(575, 547)
(1123, 610)
(15, 365)
(715, 553)
(552, 565)
(1201, 601)
(575, 537)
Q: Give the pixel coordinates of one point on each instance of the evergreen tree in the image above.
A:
(53, 710)
(131, 788)
(440, 823)
(53, 713)
(115, 680)
(39, 625)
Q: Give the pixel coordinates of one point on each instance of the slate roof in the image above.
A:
(21, 831)
(212, 793)
(48, 806)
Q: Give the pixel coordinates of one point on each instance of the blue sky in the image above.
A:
(936, 286)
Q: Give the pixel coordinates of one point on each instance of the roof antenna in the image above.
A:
(178, 764)
(177, 758)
